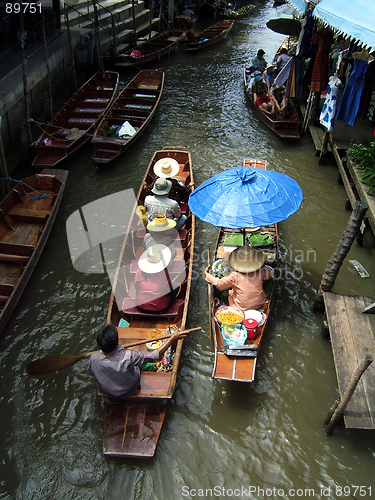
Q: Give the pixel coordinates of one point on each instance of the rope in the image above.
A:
(22, 184)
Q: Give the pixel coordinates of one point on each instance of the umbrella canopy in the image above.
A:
(285, 26)
(243, 197)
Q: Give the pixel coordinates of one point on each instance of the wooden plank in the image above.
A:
(132, 431)
(352, 337)
(345, 179)
(154, 385)
(361, 188)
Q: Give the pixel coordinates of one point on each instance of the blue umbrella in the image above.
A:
(246, 197)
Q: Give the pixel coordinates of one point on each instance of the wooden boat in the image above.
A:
(185, 21)
(211, 36)
(151, 50)
(27, 214)
(286, 129)
(135, 106)
(236, 14)
(132, 424)
(241, 365)
(75, 123)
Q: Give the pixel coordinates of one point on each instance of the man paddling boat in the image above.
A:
(118, 370)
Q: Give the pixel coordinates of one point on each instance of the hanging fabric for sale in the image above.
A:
(351, 98)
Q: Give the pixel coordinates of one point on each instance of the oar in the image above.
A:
(54, 363)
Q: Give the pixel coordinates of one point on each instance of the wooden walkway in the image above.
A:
(352, 337)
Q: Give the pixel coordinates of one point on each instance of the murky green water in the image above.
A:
(220, 439)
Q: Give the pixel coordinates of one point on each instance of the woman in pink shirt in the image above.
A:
(246, 281)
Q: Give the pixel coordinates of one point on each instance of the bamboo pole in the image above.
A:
(73, 66)
(25, 86)
(5, 186)
(134, 22)
(340, 408)
(48, 68)
(335, 262)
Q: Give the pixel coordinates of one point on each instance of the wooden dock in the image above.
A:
(352, 337)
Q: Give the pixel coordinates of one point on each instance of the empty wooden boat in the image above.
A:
(210, 36)
(132, 424)
(128, 115)
(76, 121)
(286, 128)
(151, 50)
(239, 364)
(27, 214)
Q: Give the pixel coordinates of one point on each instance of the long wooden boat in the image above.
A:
(151, 50)
(241, 365)
(286, 129)
(133, 108)
(27, 214)
(132, 425)
(76, 121)
(211, 36)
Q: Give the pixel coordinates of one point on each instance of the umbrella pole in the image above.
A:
(244, 236)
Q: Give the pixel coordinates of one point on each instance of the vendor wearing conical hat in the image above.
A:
(246, 280)
(154, 288)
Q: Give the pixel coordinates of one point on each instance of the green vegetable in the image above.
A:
(363, 154)
(258, 239)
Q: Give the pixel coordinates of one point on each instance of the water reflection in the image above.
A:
(216, 434)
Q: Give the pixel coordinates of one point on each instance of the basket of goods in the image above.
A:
(233, 334)
(229, 315)
(221, 268)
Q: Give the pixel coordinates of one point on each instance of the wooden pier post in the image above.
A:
(335, 262)
(338, 408)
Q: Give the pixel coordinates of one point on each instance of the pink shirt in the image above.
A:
(152, 290)
(246, 288)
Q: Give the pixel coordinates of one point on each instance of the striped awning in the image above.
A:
(353, 19)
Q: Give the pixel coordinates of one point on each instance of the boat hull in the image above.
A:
(241, 368)
(136, 104)
(76, 121)
(286, 129)
(151, 50)
(24, 229)
(157, 388)
(211, 36)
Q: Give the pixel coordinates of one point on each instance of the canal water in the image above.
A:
(219, 439)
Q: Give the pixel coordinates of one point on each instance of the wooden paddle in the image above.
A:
(54, 363)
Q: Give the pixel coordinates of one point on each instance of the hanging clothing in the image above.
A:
(351, 98)
(327, 116)
(319, 77)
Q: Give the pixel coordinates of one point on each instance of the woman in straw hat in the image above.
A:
(154, 288)
(246, 281)
(161, 231)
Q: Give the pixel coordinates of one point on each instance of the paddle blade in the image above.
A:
(53, 363)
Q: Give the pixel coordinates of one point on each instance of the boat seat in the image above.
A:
(128, 307)
(180, 236)
(153, 384)
(20, 213)
(16, 259)
(82, 120)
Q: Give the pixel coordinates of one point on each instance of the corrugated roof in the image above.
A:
(354, 19)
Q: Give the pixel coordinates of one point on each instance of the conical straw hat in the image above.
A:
(246, 259)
